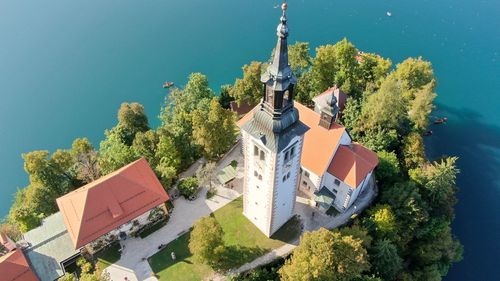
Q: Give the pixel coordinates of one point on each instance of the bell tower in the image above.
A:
(272, 144)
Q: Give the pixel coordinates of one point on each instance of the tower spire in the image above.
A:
(279, 79)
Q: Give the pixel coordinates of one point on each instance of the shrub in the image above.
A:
(188, 186)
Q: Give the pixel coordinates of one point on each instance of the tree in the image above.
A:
(86, 160)
(132, 119)
(225, 98)
(168, 157)
(67, 277)
(408, 206)
(359, 232)
(438, 185)
(414, 73)
(205, 174)
(326, 255)
(385, 109)
(206, 242)
(11, 230)
(385, 259)
(114, 154)
(52, 172)
(421, 106)
(373, 69)
(188, 186)
(413, 151)
(249, 88)
(214, 130)
(146, 144)
(388, 170)
(381, 220)
(299, 57)
(335, 65)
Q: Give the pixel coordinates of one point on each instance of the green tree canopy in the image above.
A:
(421, 106)
(385, 259)
(86, 160)
(414, 73)
(335, 65)
(132, 119)
(326, 255)
(146, 144)
(299, 57)
(388, 170)
(206, 242)
(438, 185)
(249, 88)
(114, 154)
(214, 131)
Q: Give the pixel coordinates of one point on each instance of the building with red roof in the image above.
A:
(110, 205)
(15, 267)
(334, 169)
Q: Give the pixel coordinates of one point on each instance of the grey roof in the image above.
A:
(227, 174)
(279, 74)
(325, 196)
(50, 244)
(274, 133)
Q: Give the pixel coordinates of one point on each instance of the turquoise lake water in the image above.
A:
(65, 67)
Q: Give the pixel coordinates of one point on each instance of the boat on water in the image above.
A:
(428, 134)
(440, 120)
(168, 85)
(389, 14)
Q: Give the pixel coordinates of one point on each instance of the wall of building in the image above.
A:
(258, 183)
(309, 182)
(342, 191)
(287, 175)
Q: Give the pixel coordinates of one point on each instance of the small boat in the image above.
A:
(389, 14)
(440, 120)
(168, 85)
(428, 134)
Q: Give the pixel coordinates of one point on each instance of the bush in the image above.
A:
(188, 186)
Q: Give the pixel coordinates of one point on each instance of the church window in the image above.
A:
(337, 182)
(255, 174)
(304, 183)
(288, 175)
(256, 203)
(286, 98)
(292, 151)
(255, 150)
(260, 177)
(284, 178)
(306, 174)
(257, 186)
(286, 156)
(262, 155)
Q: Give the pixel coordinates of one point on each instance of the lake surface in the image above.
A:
(65, 67)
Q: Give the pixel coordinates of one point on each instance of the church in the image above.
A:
(291, 150)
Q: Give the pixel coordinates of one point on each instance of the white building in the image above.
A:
(292, 150)
(272, 145)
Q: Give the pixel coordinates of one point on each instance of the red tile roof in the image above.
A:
(351, 164)
(339, 94)
(111, 201)
(319, 143)
(14, 267)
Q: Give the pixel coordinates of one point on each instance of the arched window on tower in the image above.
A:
(286, 98)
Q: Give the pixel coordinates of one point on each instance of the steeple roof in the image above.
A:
(279, 74)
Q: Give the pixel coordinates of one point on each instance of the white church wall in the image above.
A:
(287, 174)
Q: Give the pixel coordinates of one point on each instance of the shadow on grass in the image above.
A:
(235, 256)
(179, 247)
(290, 231)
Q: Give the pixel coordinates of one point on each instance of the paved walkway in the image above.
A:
(133, 262)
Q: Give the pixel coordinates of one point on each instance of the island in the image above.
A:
(306, 168)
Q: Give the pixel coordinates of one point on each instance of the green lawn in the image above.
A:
(244, 241)
(109, 256)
